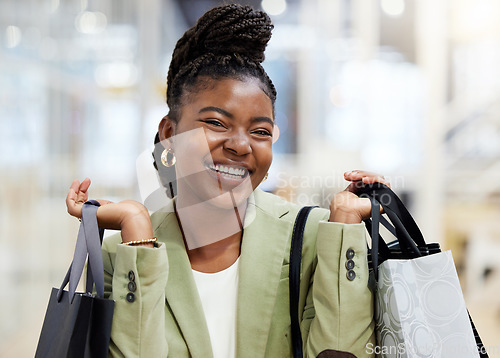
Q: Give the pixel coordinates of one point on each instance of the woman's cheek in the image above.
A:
(191, 149)
(265, 153)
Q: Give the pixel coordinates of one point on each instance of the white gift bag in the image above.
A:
(419, 306)
(420, 310)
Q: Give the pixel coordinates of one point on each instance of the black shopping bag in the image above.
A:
(79, 324)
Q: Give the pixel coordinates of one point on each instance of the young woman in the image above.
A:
(215, 283)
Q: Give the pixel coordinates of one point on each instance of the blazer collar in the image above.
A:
(264, 244)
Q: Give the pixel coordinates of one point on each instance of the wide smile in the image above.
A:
(227, 172)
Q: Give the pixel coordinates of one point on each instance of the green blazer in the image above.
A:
(161, 315)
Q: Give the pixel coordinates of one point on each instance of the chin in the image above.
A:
(203, 190)
(232, 196)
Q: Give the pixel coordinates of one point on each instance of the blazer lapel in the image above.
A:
(264, 244)
(181, 292)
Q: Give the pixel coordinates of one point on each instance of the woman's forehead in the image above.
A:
(230, 91)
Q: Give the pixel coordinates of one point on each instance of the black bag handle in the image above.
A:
(88, 243)
(395, 209)
(379, 247)
(294, 277)
(409, 237)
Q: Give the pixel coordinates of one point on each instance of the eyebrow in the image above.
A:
(262, 119)
(216, 109)
(231, 116)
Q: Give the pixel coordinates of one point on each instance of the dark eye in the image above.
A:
(213, 122)
(263, 132)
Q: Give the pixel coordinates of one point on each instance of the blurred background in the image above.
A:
(406, 88)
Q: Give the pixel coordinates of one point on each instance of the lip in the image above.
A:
(232, 174)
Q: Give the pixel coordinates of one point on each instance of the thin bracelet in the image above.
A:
(139, 242)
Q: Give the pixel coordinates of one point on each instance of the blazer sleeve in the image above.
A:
(135, 277)
(342, 324)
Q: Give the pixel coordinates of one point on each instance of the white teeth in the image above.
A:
(228, 171)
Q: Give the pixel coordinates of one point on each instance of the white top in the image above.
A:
(219, 293)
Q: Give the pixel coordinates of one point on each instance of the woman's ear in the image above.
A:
(276, 133)
(166, 128)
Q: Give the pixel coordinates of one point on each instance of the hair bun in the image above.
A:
(226, 30)
(235, 29)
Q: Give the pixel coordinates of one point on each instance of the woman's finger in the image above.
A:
(354, 186)
(72, 196)
(75, 185)
(77, 195)
(359, 174)
(365, 177)
(73, 208)
(84, 186)
(83, 194)
(376, 179)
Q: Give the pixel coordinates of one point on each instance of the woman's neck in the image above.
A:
(212, 234)
(217, 256)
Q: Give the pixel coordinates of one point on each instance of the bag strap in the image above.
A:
(95, 269)
(405, 229)
(396, 210)
(375, 235)
(479, 343)
(88, 243)
(294, 277)
(379, 247)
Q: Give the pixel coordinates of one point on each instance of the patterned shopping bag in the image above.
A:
(419, 306)
(420, 310)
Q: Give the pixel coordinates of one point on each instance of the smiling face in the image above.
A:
(223, 138)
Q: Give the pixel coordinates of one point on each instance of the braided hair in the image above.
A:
(226, 42)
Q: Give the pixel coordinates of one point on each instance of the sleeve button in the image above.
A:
(349, 264)
(131, 286)
(130, 297)
(131, 275)
(351, 275)
(350, 254)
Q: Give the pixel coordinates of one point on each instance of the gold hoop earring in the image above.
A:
(265, 178)
(168, 157)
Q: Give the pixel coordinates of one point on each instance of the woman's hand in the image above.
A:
(129, 216)
(346, 207)
(77, 196)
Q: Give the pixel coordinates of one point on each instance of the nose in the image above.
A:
(238, 144)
